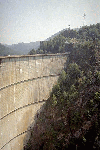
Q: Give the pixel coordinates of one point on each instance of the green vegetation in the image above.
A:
(70, 118)
(69, 38)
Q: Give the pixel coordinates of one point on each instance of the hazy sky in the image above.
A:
(34, 20)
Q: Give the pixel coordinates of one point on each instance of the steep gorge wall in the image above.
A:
(25, 84)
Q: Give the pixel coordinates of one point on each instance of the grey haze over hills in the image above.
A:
(6, 50)
(18, 49)
(23, 48)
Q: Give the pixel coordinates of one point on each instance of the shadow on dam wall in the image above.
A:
(25, 85)
(37, 128)
(33, 126)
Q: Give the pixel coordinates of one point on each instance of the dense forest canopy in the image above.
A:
(70, 119)
(68, 38)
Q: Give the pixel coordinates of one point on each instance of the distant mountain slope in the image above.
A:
(6, 50)
(24, 48)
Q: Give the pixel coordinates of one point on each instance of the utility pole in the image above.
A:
(69, 30)
(69, 26)
(84, 19)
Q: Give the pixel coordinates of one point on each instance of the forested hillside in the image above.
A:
(70, 118)
(68, 38)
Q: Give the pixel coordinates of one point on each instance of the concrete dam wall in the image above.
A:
(25, 84)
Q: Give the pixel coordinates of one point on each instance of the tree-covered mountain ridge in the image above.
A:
(66, 38)
(70, 118)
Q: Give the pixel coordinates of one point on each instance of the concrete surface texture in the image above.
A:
(25, 84)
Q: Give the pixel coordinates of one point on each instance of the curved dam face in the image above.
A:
(25, 84)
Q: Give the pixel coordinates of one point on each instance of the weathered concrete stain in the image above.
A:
(25, 84)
